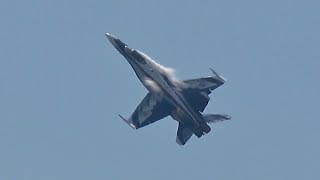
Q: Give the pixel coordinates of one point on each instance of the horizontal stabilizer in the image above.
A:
(213, 118)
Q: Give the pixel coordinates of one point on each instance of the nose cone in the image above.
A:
(111, 38)
(119, 45)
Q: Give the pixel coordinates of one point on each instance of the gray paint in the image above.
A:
(183, 101)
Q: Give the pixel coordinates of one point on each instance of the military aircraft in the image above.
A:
(184, 101)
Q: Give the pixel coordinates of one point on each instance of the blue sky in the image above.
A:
(63, 84)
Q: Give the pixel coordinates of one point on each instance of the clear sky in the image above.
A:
(62, 85)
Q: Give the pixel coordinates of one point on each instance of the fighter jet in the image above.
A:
(184, 101)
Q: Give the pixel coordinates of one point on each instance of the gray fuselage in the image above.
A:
(154, 77)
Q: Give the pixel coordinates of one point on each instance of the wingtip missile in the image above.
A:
(218, 76)
(127, 121)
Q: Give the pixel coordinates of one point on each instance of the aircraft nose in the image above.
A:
(117, 43)
(111, 38)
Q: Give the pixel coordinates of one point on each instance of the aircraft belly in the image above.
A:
(183, 118)
(160, 88)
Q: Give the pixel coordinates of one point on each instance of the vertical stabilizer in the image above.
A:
(183, 134)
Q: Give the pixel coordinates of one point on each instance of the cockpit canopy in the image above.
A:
(137, 56)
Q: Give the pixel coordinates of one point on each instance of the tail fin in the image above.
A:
(183, 134)
(213, 118)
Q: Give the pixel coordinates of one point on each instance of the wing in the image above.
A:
(183, 134)
(206, 83)
(148, 111)
(197, 90)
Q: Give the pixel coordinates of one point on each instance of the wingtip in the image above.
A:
(217, 75)
(179, 142)
(228, 117)
(214, 72)
(126, 120)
